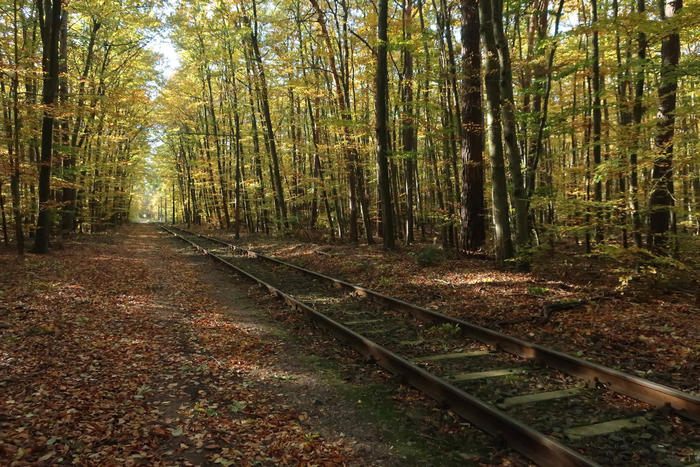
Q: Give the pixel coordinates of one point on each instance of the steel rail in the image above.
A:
(536, 446)
(641, 389)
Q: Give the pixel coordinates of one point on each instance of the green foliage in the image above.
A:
(443, 331)
(538, 291)
(385, 281)
(237, 406)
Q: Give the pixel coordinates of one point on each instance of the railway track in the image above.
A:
(554, 408)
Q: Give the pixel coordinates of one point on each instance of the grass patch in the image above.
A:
(413, 432)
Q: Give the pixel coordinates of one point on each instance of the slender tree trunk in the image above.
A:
(661, 199)
(223, 182)
(5, 237)
(408, 124)
(598, 185)
(270, 132)
(637, 113)
(348, 148)
(381, 97)
(501, 221)
(50, 24)
(519, 197)
(13, 146)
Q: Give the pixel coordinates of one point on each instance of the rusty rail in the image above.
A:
(641, 389)
(536, 446)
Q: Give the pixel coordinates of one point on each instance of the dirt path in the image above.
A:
(129, 348)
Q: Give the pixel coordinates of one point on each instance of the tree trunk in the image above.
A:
(472, 201)
(661, 199)
(50, 24)
(519, 196)
(408, 124)
(499, 190)
(265, 104)
(381, 97)
(598, 185)
(637, 113)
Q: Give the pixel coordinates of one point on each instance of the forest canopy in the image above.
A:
(491, 125)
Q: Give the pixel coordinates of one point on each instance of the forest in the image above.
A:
(494, 126)
(527, 170)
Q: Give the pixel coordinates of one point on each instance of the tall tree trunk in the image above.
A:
(270, 132)
(661, 199)
(499, 190)
(50, 24)
(597, 117)
(381, 97)
(348, 147)
(13, 146)
(408, 124)
(472, 201)
(519, 196)
(223, 182)
(637, 113)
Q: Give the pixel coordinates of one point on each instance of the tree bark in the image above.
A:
(50, 24)
(499, 190)
(473, 211)
(380, 102)
(519, 196)
(661, 199)
(408, 124)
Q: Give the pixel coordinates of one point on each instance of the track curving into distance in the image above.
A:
(554, 408)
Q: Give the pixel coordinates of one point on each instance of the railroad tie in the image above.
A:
(605, 428)
(450, 356)
(537, 397)
(487, 374)
(361, 321)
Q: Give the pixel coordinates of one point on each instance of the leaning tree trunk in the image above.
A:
(50, 24)
(661, 199)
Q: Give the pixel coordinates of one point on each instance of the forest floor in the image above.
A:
(637, 313)
(129, 348)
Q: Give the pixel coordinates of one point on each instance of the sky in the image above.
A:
(162, 44)
(170, 61)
